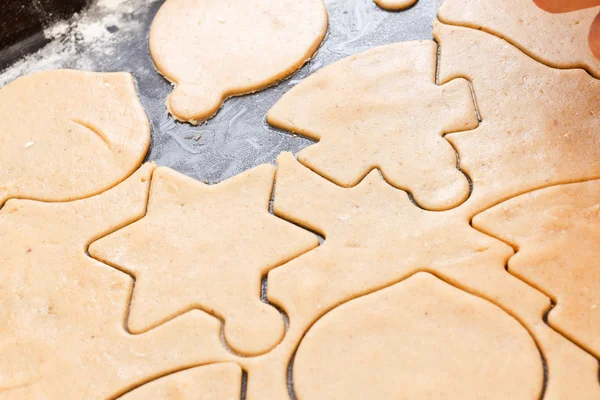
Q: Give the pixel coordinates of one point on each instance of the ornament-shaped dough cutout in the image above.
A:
(558, 40)
(418, 339)
(207, 247)
(382, 109)
(395, 5)
(210, 382)
(214, 49)
(556, 230)
(69, 134)
(375, 237)
(62, 314)
(539, 125)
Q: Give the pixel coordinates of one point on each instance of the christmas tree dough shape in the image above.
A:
(62, 320)
(207, 247)
(558, 40)
(382, 109)
(210, 382)
(214, 49)
(539, 124)
(556, 230)
(69, 134)
(418, 339)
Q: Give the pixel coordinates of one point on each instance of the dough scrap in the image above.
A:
(374, 237)
(382, 109)
(215, 49)
(57, 147)
(62, 314)
(395, 5)
(558, 40)
(210, 382)
(539, 124)
(402, 341)
(556, 230)
(207, 247)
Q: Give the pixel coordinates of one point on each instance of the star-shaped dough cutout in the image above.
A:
(207, 247)
(61, 313)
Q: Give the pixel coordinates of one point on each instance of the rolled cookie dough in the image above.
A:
(215, 49)
(207, 247)
(209, 382)
(418, 339)
(539, 124)
(374, 237)
(69, 134)
(62, 333)
(558, 40)
(382, 109)
(556, 230)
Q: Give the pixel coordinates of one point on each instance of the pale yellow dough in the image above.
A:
(382, 109)
(556, 232)
(559, 40)
(374, 237)
(395, 5)
(418, 339)
(215, 49)
(207, 247)
(210, 382)
(62, 314)
(69, 134)
(539, 124)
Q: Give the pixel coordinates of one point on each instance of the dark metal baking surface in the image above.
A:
(22, 21)
(112, 35)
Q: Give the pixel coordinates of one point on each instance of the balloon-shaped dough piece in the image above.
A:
(558, 40)
(214, 49)
(539, 124)
(418, 339)
(207, 247)
(69, 134)
(382, 109)
(62, 314)
(395, 5)
(556, 230)
(210, 382)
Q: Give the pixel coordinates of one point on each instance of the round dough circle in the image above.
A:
(419, 339)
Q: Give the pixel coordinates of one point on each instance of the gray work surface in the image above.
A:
(112, 35)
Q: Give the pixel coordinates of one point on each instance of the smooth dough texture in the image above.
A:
(210, 382)
(418, 339)
(207, 247)
(215, 49)
(69, 134)
(374, 237)
(395, 5)
(559, 40)
(539, 124)
(382, 109)
(62, 314)
(556, 230)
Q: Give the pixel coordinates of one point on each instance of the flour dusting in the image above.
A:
(85, 41)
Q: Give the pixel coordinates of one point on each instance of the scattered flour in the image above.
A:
(84, 41)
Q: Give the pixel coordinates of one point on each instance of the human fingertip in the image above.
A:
(549, 5)
(594, 37)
